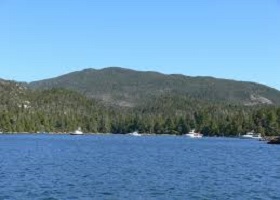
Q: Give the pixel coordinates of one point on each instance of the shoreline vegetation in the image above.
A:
(62, 111)
(215, 121)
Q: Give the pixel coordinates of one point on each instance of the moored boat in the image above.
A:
(251, 135)
(77, 132)
(193, 134)
(135, 133)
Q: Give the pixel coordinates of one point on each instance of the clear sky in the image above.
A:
(236, 39)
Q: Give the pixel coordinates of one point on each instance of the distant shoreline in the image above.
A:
(266, 138)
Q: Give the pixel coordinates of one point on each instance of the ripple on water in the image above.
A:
(121, 167)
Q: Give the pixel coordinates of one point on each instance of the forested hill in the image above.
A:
(54, 110)
(128, 88)
(62, 110)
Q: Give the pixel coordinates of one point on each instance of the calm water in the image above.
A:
(127, 167)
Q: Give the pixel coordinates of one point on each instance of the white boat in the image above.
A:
(77, 132)
(193, 134)
(135, 134)
(251, 135)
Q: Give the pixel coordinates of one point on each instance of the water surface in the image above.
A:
(127, 167)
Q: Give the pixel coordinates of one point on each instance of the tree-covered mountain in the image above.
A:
(62, 110)
(130, 88)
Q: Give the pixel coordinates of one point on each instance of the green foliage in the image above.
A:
(62, 110)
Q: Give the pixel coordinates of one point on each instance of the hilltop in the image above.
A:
(130, 88)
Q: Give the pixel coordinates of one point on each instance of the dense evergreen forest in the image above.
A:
(62, 110)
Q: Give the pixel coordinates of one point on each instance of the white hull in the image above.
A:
(190, 135)
(135, 134)
(77, 132)
(246, 137)
(251, 135)
(193, 134)
(74, 133)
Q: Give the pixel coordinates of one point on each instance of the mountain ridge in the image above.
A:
(127, 87)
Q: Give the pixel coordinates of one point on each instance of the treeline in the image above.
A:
(60, 110)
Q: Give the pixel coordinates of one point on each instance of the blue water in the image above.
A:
(127, 167)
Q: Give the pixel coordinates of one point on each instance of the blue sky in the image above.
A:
(236, 39)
